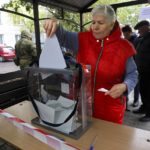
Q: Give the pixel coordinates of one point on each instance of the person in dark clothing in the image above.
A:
(129, 34)
(132, 37)
(142, 59)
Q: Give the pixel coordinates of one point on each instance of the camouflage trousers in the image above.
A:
(24, 63)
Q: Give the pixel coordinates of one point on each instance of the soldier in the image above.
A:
(26, 54)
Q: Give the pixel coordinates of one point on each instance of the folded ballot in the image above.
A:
(51, 55)
(56, 111)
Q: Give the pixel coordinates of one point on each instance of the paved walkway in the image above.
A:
(131, 119)
(9, 66)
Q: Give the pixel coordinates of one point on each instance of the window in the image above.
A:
(1, 38)
(0, 18)
(17, 37)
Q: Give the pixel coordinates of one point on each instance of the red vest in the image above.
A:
(111, 70)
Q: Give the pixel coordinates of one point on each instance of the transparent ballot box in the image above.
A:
(62, 99)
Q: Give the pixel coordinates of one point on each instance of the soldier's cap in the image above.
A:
(141, 24)
(25, 34)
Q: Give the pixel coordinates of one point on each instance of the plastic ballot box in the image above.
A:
(62, 98)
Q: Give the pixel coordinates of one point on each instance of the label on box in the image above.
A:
(64, 88)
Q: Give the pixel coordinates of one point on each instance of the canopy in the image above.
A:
(72, 5)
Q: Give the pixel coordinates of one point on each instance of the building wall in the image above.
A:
(8, 32)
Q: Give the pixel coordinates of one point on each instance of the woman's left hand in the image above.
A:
(117, 90)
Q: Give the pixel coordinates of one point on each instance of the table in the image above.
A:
(110, 136)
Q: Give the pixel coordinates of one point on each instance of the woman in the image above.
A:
(110, 57)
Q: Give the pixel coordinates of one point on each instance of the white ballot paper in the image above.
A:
(51, 56)
(102, 90)
(56, 111)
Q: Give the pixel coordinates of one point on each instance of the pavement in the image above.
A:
(132, 119)
(8, 66)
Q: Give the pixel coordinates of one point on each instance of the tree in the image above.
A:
(27, 8)
(23, 8)
(125, 15)
(16, 5)
(71, 20)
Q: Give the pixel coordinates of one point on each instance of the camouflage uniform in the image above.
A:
(26, 53)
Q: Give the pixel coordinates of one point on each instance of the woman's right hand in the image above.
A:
(50, 27)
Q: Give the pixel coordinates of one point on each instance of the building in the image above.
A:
(9, 33)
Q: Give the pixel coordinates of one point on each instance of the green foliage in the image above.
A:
(69, 20)
(128, 16)
(22, 7)
(16, 5)
(125, 15)
(72, 23)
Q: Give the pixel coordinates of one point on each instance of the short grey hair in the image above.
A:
(106, 10)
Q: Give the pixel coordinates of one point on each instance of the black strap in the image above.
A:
(67, 119)
(34, 104)
(51, 124)
(80, 74)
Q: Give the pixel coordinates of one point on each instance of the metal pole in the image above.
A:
(81, 21)
(37, 27)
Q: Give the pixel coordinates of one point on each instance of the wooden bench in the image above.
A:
(13, 88)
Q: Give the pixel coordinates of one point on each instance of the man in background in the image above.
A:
(129, 34)
(132, 37)
(142, 59)
(26, 54)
